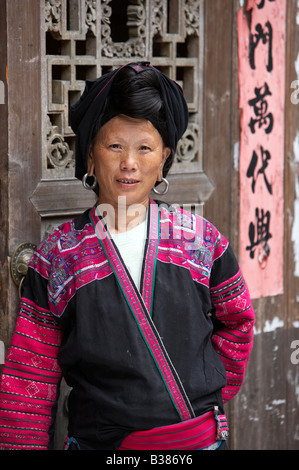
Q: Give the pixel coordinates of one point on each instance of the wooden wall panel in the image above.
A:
(291, 268)
(217, 109)
(265, 413)
(24, 128)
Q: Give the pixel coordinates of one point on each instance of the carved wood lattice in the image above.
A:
(84, 39)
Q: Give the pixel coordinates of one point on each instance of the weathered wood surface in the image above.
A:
(265, 415)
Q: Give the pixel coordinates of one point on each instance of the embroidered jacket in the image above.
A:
(135, 358)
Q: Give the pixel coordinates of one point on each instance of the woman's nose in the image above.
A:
(128, 161)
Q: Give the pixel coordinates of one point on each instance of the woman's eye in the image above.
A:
(115, 146)
(144, 148)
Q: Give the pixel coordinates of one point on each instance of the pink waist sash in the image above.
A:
(192, 434)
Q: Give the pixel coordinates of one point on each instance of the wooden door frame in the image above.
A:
(20, 139)
(4, 221)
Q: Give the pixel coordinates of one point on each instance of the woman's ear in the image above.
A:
(165, 154)
(90, 161)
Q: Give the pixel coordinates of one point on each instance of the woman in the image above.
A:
(141, 306)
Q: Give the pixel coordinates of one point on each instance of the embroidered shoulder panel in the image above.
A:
(69, 259)
(190, 241)
(72, 256)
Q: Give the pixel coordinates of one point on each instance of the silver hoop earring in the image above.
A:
(164, 180)
(86, 185)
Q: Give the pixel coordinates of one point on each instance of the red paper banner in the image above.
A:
(261, 36)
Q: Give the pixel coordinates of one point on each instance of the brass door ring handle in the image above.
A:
(19, 263)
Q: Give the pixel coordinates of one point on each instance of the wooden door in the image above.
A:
(48, 50)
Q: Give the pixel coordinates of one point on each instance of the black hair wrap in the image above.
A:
(86, 111)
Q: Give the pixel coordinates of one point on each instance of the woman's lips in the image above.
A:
(127, 182)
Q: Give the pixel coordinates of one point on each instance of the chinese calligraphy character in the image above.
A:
(265, 157)
(262, 4)
(259, 234)
(260, 107)
(265, 37)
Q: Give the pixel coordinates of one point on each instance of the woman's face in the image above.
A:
(127, 156)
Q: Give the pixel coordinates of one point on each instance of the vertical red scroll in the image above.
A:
(261, 36)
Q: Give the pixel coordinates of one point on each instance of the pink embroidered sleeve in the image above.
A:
(29, 380)
(233, 341)
(31, 374)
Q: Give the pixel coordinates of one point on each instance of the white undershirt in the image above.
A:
(131, 247)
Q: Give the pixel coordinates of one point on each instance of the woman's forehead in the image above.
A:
(123, 126)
